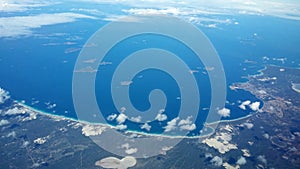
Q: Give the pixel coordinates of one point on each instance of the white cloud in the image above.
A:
(161, 117)
(146, 126)
(241, 161)
(185, 121)
(137, 119)
(224, 112)
(217, 161)
(113, 162)
(171, 125)
(254, 106)
(248, 125)
(266, 135)
(187, 124)
(11, 134)
(121, 127)
(244, 104)
(23, 25)
(131, 151)
(262, 159)
(40, 140)
(4, 122)
(112, 117)
(126, 83)
(20, 6)
(121, 118)
(4, 95)
(282, 9)
(188, 127)
(14, 111)
(92, 130)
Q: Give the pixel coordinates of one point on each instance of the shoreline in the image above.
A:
(206, 125)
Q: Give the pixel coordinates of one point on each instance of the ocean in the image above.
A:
(38, 69)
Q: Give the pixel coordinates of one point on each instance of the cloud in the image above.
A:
(113, 162)
(21, 6)
(281, 9)
(241, 161)
(146, 126)
(224, 112)
(126, 83)
(137, 119)
(121, 127)
(112, 117)
(188, 127)
(92, 130)
(4, 122)
(22, 25)
(171, 125)
(11, 134)
(244, 104)
(161, 117)
(4, 95)
(262, 159)
(121, 118)
(14, 111)
(217, 161)
(128, 149)
(248, 125)
(187, 124)
(131, 151)
(254, 106)
(40, 140)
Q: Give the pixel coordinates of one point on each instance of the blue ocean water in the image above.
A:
(39, 69)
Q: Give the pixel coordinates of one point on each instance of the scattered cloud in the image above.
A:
(241, 161)
(131, 151)
(88, 69)
(217, 161)
(262, 159)
(189, 127)
(187, 124)
(113, 162)
(221, 142)
(121, 127)
(4, 95)
(4, 122)
(22, 25)
(224, 112)
(112, 117)
(161, 117)
(171, 125)
(137, 119)
(14, 111)
(11, 134)
(254, 106)
(40, 140)
(244, 104)
(266, 135)
(281, 9)
(246, 152)
(146, 126)
(165, 149)
(248, 125)
(92, 130)
(24, 5)
(121, 118)
(126, 83)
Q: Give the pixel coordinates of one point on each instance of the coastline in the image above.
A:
(211, 125)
